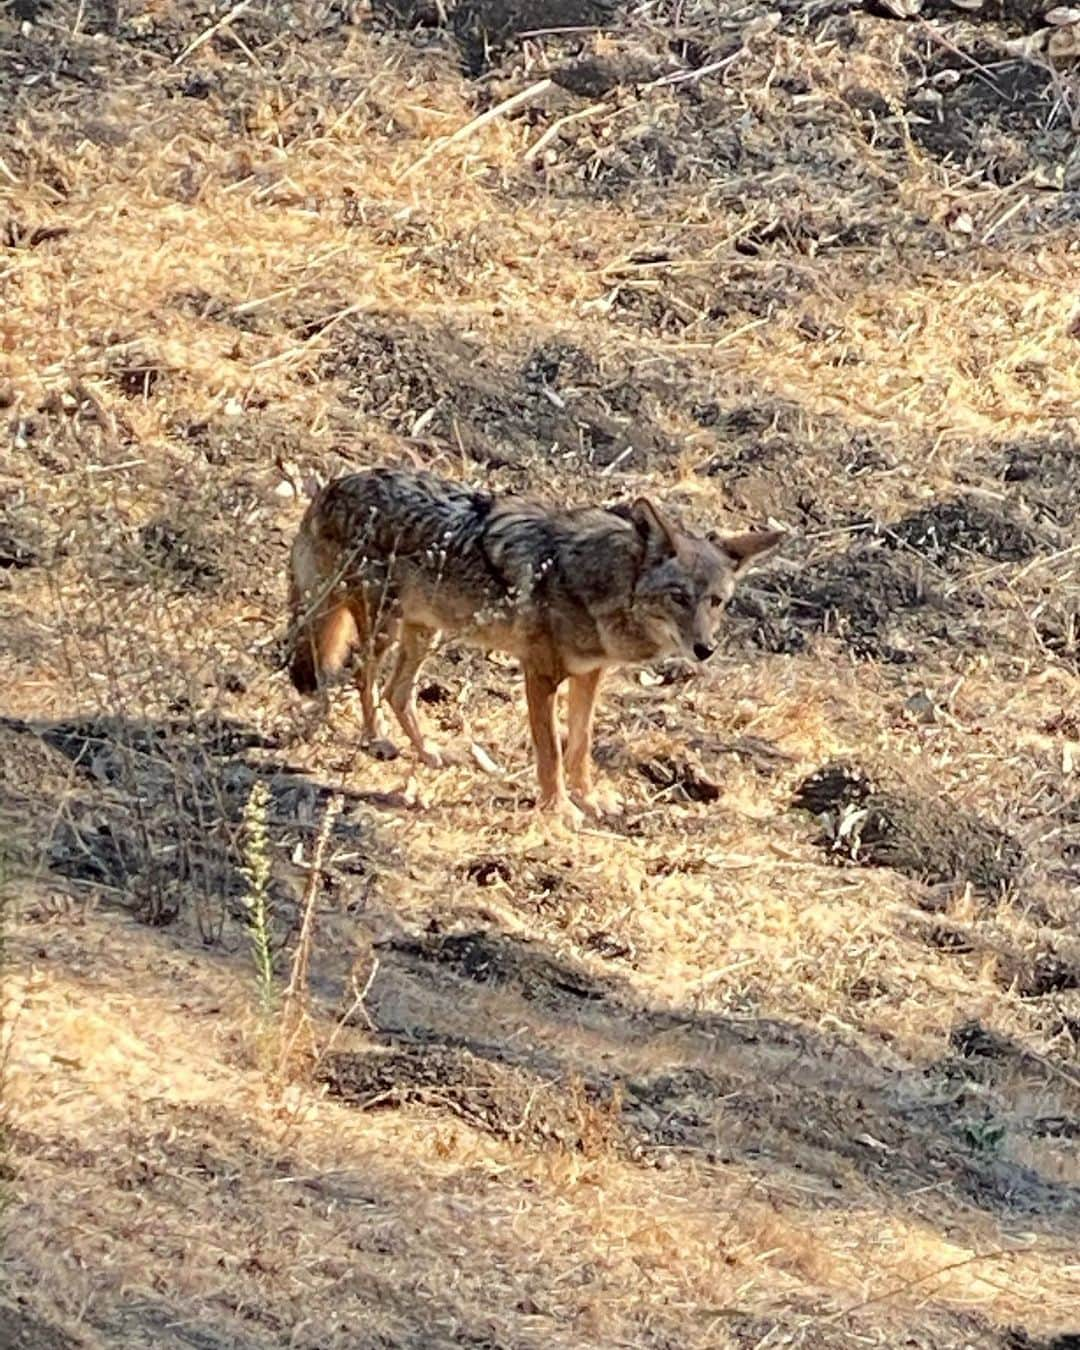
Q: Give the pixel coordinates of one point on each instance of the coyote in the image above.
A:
(395, 555)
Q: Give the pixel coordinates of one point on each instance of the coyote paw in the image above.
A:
(599, 804)
(562, 808)
(429, 755)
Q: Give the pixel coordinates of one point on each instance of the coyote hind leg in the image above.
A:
(414, 644)
(373, 641)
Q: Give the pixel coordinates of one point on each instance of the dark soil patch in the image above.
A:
(1014, 16)
(1046, 473)
(946, 533)
(684, 304)
(761, 454)
(1059, 630)
(1040, 974)
(593, 77)
(184, 554)
(224, 541)
(168, 33)
(441, 385)
(483, 29)
(877, 601)
(1056, 1127)
(39, 70)
(500, 1099)
(992, 120)
(922, 837)
(974, 1041)
(1018, 1339)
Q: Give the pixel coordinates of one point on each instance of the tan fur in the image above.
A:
(398, 557)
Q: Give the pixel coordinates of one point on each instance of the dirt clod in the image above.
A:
(922, 837)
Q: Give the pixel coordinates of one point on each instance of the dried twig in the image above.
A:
(500, 109)
(543, 141)
(208, 33)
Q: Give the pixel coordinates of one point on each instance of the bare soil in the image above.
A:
(783, 1052)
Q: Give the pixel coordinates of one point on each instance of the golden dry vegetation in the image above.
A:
(721, 1072)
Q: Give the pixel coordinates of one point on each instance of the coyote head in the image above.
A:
(686, 581)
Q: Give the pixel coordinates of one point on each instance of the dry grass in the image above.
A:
(788, 1102)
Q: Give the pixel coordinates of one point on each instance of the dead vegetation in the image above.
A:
(785, 1054)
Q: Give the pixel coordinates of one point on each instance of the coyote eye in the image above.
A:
(716, 601)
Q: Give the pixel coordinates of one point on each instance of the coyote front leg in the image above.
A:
(374, 639)
(581, 707)
(540, 693)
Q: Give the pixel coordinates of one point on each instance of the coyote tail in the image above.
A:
(323, 626)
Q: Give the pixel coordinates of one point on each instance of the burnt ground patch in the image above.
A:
(484, 29)
(500, 414)
(948, 533)
(902, 588)
(987, 114)
(924, 838)
(879, 602)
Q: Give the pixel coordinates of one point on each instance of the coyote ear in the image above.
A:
(743, 549)
(654, 530)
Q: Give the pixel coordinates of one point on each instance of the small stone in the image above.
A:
(921, 707)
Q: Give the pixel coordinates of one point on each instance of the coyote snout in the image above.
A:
(392, 557)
